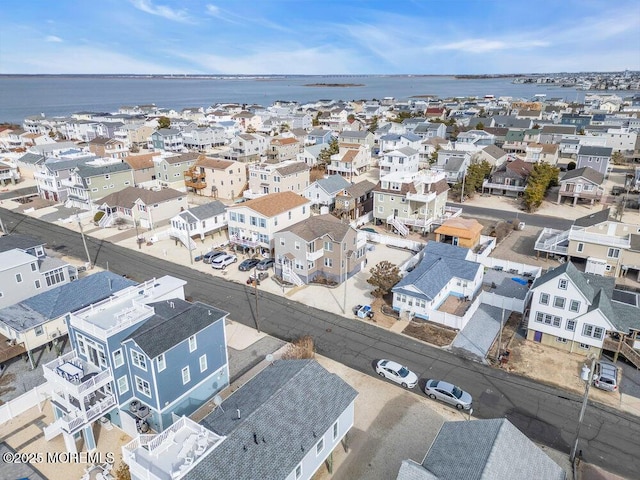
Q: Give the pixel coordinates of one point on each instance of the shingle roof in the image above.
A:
(359, 189)
(86, 171)
(17, 240)
(292, 168)
(213, 163)
(127, 196)
(32, 158)
(592, 219)
(333, 183)
(318, 226)
(493, 151)
(274, 203)
(283, 410)
(174, 321)
(139, 162)
(488, 450)
(354, 133)
(595, 151)
(588, 173)
(61, 300)
(206, 210)
(183, 157)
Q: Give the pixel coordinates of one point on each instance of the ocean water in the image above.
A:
(21, 96)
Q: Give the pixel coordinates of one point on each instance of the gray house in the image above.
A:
(323, 191)
(581, 184)
(482, 450)
(595, 157)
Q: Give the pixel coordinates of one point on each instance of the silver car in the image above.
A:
(449, 393)
(605, 376)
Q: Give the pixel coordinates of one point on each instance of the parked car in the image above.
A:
(396, 372)
(248, 264)
(449, 393)
(222, 261)
(363, 311)
(605, 376)
(266, 263)
(210, 256)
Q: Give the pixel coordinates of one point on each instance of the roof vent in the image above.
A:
(238, 413)
(255, 438)
(172, 305)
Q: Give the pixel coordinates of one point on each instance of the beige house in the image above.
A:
(265, 178)
(144, 171)
(351, 160)
(281, 149)
(247, 148)
(581, 184)
(170, 168)
(134, 134)
(542, 152)
(320, 248)
(252, 224)
(108, 148)
(217, 178)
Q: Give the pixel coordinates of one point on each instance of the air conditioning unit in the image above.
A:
(54, 334)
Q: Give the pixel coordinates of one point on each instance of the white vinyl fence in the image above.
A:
(24, 402)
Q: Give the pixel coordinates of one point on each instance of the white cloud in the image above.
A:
(481, 45)
(212, 10)
(53, 39)
(162, 11)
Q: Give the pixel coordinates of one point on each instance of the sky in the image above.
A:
(318, 37)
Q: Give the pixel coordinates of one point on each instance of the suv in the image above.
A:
(210, 256)
(222, 261)
(265, 264)
(605, 376)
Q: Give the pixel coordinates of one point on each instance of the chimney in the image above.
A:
(110, 284)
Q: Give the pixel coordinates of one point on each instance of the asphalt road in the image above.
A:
(608, 438)
(528, 218)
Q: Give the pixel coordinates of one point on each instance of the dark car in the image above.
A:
(209, 256)
(248, 264)
(265, 264)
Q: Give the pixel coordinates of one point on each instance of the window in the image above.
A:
(328, 262)
(33, 267)
(574, 306)
(328, 246)
(299, 471)
(143, 386)
(123, 385)
(320, 446)
(37, 284)
(39, 330)
(263, 223)
(592, 331)
(18, 277)
(139, 360)
(161, 362)
(558, 302)
(203, 363)
(186, 375)
(584, 346)
(571, 325)
(561, 340)
(613, 253)
(380, 209)
(253, 221)
(282, 242)
(232, 216)
(562, 284)
(544, 298)
(289, 215)
(192, 343)
(54, 276)
(335, 430)
(118, 359)
(380, 197)
(297, 245)
(557, 321)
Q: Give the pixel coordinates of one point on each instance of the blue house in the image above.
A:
(139, 357)
(318, 136)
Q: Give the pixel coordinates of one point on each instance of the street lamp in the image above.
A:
(588, 376)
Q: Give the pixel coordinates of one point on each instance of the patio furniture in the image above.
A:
(70, 371)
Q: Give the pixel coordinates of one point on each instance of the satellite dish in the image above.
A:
(217, 400)
(269, 358)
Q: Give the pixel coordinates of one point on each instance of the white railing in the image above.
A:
(12, 408)
(508, 303)
(402, 230)
(421, 197)
(124, 321)
(551, 244)
(580, 235)
(517, 268)
(503, 186)
(312, 256)
(455, 321)
(394, 241)
(184, 237)
(106, 220)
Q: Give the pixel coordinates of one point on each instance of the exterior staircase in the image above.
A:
(630, 354)
(289, 275)
(553, 241)
(106, 220)
(53, 430)
(399, 226)
(186, 240)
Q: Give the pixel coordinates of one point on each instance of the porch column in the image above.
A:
(89, 439)
(69, 442)
(615, 355)
(575, 201)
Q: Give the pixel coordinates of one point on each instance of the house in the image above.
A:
(410, 201)
(323, 191)
(166, 139)
(250, 434)
(265, 178)
(49, 177)
(319, 136)
(581, 184)
(29, 163)
(144, 171)
(509, 179)
(514, 142)
(597, 158)
(139, 206)
(134, 134)
(574, 311)
(555, 133)
(89, 182)
(140, 358)
(170, 168)
(201, 220)
(203, 139)
(541, 152)
(9, 173)
(475, 138)
(39, 320)
(283, 148)
(350, 160)
(108, 148)
(355, 201)
(252, 224)
(247, 148)
(575, 119)
(608, 247)
(429, 130)
(310, 154)
(460, 232)
(393, 141)
(444, 271)
(216, 178)
(491, 154)
(26, 270)
(453, 163)
(404, 160)
(319, 248)
(357, 137)
(248, 120)
(481, 450)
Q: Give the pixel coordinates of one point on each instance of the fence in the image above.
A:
(24, 402)
(394, 241)
(454, 321)
(364, 219)
(508, 303)
(509, 266)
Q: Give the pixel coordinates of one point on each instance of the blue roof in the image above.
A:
(333, 183)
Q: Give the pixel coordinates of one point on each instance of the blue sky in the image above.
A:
(318, 37)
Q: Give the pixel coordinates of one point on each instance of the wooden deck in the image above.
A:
(9, 351)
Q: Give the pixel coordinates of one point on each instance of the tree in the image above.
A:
(401, 116)
(316, 120)
(325, 154)
(351, 117)
(476, 173)
(480, 126)
(618, 158)
(542, 177)
(374, 124)
(122, 472)
(571, 165)
(384, 276)
(164, 122)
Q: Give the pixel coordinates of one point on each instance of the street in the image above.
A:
(609, 438)
(528, 218)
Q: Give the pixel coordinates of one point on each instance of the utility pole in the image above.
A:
(255, 283)
(585, 399)
(344, 299)
(84, 242)
(464, 176)
(500, 334)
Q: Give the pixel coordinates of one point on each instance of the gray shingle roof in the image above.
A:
(86, 171)
(32, 158)
(292, 168)
(318, 226)
(61, 300)
(174, 321)
(441, 263)
(595, 151)
(410, 470)
(284, 406)
(17, 240)
(333, 183)
(204, 211)
(589, 173)
(488, 450)
(592, 218)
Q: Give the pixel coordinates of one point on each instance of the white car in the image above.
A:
(396, 372)
(449, 393)
(223, 260)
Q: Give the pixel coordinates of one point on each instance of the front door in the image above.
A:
(537, 337)
(395, 213)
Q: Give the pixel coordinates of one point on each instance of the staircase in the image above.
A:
(630, 354)
(289, 275)
(186, 240)
(106, 220)
(53, 430)
(399, 226)
(553, 242)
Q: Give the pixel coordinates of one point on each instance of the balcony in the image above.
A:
(579, 235)
(313, 256)
(421, 197)
(553, 241)
(76, 417)
(61, 372)
(71, 182)
(502, 186)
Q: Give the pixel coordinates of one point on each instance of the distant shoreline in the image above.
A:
(334, 85)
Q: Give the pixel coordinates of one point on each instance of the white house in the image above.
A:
(405, 159)
(324, 191)
(200, 221)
